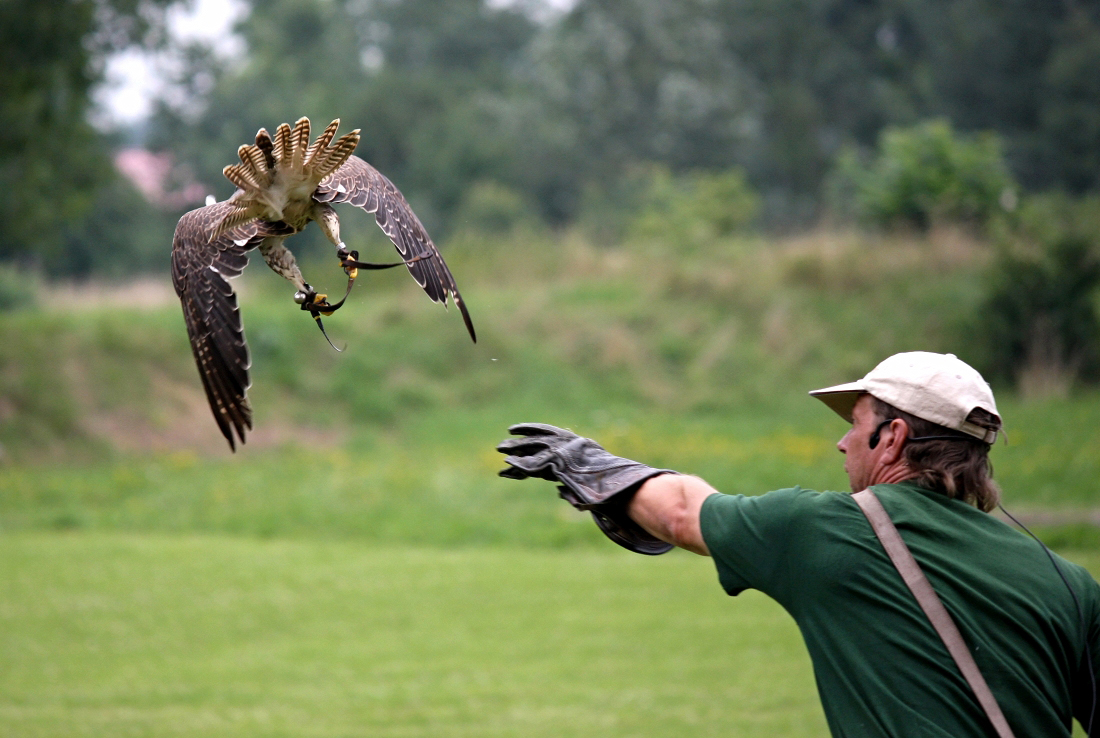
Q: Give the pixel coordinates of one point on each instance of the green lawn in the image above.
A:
(119, 635)
(139, 635)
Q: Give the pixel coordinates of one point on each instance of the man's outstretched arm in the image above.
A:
(668, 507)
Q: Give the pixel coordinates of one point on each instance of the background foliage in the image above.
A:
(661, 133)
(55, 169)
(927, 174)
(555, 105)
(640, 159)
(1040, 313)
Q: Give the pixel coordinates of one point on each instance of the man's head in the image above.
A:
(919, 416)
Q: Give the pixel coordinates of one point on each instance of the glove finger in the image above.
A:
(570, 496)
(540, 429)
(534, 466)
(521, 446)
(513, 472)
(530, 464)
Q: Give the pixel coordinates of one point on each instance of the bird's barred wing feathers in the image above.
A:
(360, 184)
(201, 269)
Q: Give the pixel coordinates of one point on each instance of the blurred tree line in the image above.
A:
(450, 93)
(896, 110)
(64, 207)
(554, 106)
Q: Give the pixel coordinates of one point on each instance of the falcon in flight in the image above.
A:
(283, 183)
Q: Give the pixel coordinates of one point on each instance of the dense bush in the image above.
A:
(1039, 323)
(926, 174)
(698, 204)
(122, 234)
(17, 288)
(653, 203)
(490, 208)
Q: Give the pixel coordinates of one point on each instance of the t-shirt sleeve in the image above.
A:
(748, 538)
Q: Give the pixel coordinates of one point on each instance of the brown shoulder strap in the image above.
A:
(941, 620)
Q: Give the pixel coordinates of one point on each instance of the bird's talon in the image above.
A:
(317, 303)
(321, 301)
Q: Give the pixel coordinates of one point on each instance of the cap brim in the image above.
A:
(841, 398)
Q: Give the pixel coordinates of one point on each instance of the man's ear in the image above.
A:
(895, 441)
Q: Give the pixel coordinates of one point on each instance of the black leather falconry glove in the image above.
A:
(591, 479)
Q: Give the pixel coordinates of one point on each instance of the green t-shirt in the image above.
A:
(880, 668)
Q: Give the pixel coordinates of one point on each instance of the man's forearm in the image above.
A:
(668, 507)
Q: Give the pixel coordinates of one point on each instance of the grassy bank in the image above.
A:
(691, 357)
(430, 482)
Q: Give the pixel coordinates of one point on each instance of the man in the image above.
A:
(922, 427)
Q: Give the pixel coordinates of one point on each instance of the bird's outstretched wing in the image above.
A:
(360, 184)
(201, 269)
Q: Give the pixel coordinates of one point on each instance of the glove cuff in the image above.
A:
(622, 529)
(592, 489)
(610, 510)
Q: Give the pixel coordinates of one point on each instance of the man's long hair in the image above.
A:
(959, 469)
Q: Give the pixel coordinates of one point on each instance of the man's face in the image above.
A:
(860, 460)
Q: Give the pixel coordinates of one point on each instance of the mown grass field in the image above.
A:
(124, 635)
(138, 635)
(149, 635)
(358, 568)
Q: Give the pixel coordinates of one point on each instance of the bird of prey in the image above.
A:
(283, 183)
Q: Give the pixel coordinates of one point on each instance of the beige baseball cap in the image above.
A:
(939, 388)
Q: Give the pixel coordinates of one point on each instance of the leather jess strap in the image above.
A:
(941, 620)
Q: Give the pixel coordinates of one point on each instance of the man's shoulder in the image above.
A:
(1083, 584)
(810, 499)
(802, 494)
(788, 503)
(773, 541)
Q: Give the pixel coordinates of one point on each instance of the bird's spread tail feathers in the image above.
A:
(287, 161)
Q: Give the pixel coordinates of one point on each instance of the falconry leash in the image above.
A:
(930, 602)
